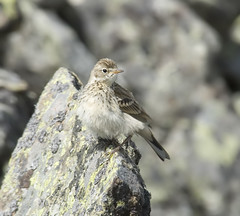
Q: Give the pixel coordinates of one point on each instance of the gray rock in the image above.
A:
(168, 53)
(219, 14)
(223, 16)
(157, 43)
(235, 30)
(236, 103)
(205, 153)
(78, 177)
(12, 81)
(42, 45)
(10, 16)
(15, 110)
(230, 56)
(53, 4)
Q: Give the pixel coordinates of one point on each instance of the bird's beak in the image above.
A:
(116, 71)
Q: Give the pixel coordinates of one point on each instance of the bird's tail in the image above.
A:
(148, 136)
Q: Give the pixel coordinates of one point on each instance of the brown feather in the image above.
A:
(129, 105)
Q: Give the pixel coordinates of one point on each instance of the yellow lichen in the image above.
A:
(9, 8)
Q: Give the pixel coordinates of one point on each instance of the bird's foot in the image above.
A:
(120, 145)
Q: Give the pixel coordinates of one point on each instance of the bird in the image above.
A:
(108, 110)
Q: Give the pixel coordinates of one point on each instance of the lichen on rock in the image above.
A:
(59, 168)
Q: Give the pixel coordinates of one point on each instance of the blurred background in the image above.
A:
(181, 60)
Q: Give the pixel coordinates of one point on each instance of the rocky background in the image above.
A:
(182, 61)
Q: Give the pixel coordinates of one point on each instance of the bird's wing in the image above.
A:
(129, 105)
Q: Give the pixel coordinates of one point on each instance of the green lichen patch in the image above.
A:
(59, 168)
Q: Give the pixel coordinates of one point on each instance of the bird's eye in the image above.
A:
(104, 70)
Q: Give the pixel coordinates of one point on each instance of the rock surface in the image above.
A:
(48, 43)
(15, 111)
(58, 168)
(182, 63)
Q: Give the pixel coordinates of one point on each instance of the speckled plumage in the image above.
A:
(109, 110)
(100, 112)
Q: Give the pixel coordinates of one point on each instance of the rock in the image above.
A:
(229, 61)
(235, 33)
(236, 103)
(12, 81)
(223, 16)
(219, 14)
(178, 69)
(59, 168)
(10, 16)
(205, 151)
(156, 42)
(10, 19)
(54, 4)
(48, 44)
(15, 109)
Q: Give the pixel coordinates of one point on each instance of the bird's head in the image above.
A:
(105, 71)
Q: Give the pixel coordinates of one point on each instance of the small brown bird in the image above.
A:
(109, 110)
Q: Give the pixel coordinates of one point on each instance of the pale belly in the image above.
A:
(105, 120)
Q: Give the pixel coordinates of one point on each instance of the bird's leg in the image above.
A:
(126, 140)
(120, 145)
